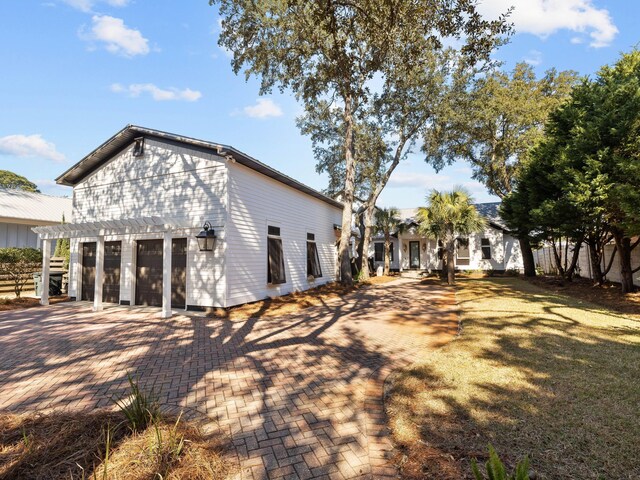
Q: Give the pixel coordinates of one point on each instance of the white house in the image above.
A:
(141, 198)
(493, 249)
(20, 211)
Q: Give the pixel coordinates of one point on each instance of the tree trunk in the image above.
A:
(594, 258)
(623, 245)
(527, 257)
(451, 272)
(574, 259)
(387, 254)
(345, 235)
(367, 217)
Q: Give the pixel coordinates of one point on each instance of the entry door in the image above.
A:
(149, 273)
(88, 288)
(178, 272)
(112, 261)
(414, 254)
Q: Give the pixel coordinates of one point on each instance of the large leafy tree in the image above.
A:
(14, 181)
(388, 222)
(334, 49)
(586, 171)
(447, 216)
(494, 126)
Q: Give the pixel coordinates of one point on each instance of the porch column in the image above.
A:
(46, 258)
(166, 276)
(97, 293)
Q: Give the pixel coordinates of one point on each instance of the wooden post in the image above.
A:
(97, 293)
(166, 276)
(46, 254)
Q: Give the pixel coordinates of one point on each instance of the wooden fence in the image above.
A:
(56, 265)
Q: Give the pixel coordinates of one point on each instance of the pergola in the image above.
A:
(140, 225)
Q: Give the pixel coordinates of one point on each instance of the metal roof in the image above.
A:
(490, 211)
(35, 207)
(128, 134)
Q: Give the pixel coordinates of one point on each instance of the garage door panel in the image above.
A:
(88, 271)
(149, 273)
(112, 265)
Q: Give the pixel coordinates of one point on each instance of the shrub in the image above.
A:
(18, 264)
(141, 408)
(512, 272)
(496, 470)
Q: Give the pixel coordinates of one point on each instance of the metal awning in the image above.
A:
(113, 227)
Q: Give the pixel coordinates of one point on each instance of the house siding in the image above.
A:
(18, 235)
(167, 181)
(256, 201)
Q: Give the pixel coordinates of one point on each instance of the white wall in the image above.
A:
(18, 235)
(167, 181)
(256, 201)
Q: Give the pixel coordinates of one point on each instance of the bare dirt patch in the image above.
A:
(73, 446)
(607, 295)
(7, 304)
(294, 302)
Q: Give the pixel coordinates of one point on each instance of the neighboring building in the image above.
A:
(20, 211)
(493, 249)
(140, 199)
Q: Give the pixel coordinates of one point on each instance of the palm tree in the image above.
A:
(387, 221)
(447, 215)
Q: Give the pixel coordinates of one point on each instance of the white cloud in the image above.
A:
(157, 93)
(264, 108)
(545, 17)
(87, 5)
(534, 58)
(117, 37)
(29, 146)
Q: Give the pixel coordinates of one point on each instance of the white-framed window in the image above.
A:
(313, 259)
(379, 252)
(485, 243)
(275, 256)
(462, 251)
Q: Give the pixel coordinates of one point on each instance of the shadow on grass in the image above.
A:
(535, 374)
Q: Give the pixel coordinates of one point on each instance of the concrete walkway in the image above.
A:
(300, 396)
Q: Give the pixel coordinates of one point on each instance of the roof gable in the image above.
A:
(125, 137)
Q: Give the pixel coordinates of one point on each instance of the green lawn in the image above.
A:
(533, 373)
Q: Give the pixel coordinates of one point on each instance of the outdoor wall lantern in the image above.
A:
(206, 238)
(404, 248)
(424, 247)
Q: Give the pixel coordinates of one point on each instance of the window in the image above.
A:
(379, 252)
(440, 249)
(313, 259)
(462, 251)
(275, 260)
(391, 252)
(486, 248)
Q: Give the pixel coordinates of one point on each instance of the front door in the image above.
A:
(414, 254)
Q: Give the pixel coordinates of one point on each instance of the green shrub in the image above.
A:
(18, 264)
(496, 470)
(141, 408)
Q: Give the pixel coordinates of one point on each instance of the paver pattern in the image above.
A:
(300, 396)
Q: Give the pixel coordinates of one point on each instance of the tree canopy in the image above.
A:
(447, 216)
(335, 51)
(14, 181)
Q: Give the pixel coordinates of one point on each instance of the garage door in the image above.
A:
(149, 273)
(87, 290)
(178, 272)
(112, 261)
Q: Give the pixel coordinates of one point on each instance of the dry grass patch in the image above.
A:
(533, 373)
(27, 302)
(73, 446)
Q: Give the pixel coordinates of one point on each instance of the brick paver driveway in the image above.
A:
(300, 396)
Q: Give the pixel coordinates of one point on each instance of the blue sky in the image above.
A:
(76, 71)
